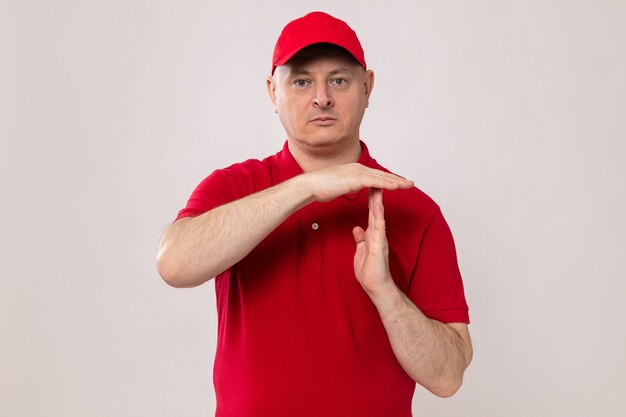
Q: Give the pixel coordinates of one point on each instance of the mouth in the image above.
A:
(323, 121)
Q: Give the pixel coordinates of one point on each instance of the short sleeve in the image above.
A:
(213, 191)
(437, 287)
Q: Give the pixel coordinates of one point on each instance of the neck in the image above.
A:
(313, 158)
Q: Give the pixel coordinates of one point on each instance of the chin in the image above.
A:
(326, 137)
(321, 142)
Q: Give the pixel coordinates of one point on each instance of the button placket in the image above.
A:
(314, 236)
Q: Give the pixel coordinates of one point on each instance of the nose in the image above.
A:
(322, 97)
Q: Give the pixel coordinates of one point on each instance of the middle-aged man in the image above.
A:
(328, 304)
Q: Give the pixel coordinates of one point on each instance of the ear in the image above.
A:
(369, 85)
(271, 90)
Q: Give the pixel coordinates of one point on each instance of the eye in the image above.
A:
(300, 83)
(339, 82)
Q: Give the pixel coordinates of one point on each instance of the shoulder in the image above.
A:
(247, 168)
(247, 177)
(412, 205)
(227, 184)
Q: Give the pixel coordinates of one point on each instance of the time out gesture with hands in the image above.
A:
(196, 249)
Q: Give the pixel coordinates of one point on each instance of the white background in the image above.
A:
(510, 114)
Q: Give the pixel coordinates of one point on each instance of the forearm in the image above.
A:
(194, 250)
(433, 354)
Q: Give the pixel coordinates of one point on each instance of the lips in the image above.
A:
(323, 121)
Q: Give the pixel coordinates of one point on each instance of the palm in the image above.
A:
(371, 265)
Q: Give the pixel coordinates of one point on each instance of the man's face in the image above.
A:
(320, 96)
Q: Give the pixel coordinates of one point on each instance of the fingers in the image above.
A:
(359, 234)
(376, 219)
(384, 180)
(329, 183)
(375, 197)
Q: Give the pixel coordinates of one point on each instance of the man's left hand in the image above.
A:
(371, 259)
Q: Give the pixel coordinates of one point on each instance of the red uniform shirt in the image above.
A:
(297, 334)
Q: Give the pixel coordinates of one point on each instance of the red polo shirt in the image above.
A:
(297, 335)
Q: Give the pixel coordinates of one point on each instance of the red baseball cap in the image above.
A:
(316, 27)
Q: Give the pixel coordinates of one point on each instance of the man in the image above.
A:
(328, 303)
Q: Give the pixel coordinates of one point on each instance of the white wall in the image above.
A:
(511, 114)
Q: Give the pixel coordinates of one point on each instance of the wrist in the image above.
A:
(385, 294)
(300, 187)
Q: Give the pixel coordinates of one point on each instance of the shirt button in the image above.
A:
(315, 226)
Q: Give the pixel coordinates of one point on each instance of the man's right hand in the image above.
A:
(330, 183)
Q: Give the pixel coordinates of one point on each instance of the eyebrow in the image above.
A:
(340, 70)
